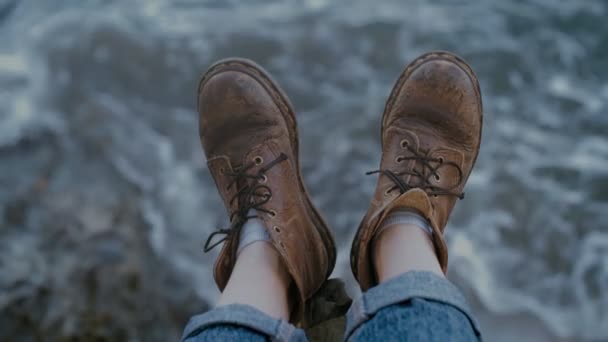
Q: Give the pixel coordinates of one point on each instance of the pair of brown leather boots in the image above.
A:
(431, 131)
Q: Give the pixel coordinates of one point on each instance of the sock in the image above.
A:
(253, 230)
(406, 216)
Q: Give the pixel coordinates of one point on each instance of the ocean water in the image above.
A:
(106, 200)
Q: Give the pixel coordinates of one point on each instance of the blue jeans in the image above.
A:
(416, 306)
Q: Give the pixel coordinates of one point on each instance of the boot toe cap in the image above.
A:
(234, 102)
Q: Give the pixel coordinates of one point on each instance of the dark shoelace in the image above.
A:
(251, 195)
(425, 180)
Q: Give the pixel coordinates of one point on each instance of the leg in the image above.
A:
(259, 279)
(403, 248)
(431, 131)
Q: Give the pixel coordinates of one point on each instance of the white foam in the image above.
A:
(12, 64)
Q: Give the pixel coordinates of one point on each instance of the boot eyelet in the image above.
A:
(387, 192)
(282, 245)
(263, 179)
(399, 159)
(272, 213)
(276, 229)
(258, 160)
(404, 143)
(441, 160)
(437, 178)
(222, 170)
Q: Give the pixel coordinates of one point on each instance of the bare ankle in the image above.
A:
(259, 279)
(264, 254)
(402, 248)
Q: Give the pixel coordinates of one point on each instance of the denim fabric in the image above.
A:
(227, 332)
(239, 322)
(416, 320)
(416, 306)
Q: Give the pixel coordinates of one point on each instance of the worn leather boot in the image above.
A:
(431, 131)
(248, 132)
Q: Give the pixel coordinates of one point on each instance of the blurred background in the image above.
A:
(105, 198)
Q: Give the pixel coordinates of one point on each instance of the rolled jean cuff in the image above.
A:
(410, 285)
(244, 316)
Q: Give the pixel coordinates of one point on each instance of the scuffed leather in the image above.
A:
(245, 116)
(435, 108)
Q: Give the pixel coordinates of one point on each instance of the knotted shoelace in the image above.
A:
(251, 194)
(423, 176)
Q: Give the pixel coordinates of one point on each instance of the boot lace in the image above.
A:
(251, 195)
(423, 176)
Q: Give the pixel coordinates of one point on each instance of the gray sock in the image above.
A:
(253, 230)
(406, 216)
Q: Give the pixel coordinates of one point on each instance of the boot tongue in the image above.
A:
(415, 199)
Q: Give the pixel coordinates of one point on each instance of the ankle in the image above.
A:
(263, 257)
(261, 280)
(401, 248)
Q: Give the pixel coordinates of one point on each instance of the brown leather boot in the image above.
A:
(248, 131)
(431, 130)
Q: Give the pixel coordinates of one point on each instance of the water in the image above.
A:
(106, 198)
